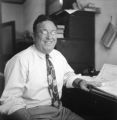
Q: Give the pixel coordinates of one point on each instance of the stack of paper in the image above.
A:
(108, 77)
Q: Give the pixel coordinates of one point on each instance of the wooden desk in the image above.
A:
(90, 105)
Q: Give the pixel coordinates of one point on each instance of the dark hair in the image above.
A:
(40, 19)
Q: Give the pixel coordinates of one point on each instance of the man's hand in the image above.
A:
(3, 109)
(83, 84)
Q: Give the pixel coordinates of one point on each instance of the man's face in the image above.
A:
(46, 36)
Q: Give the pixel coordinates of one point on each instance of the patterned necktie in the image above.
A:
(52, 83)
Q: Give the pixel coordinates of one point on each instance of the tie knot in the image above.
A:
(47, 56)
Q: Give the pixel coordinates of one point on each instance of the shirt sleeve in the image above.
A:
(69, 75)
(15, 79)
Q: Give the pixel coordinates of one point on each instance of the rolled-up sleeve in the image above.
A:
(15, 79)
(69, 75)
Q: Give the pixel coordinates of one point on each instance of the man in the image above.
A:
(29, 92)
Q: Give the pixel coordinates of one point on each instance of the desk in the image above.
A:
(90, 105)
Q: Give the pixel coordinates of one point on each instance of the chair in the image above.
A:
(1, 90)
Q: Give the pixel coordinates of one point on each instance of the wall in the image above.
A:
(23, 14)
(32, 8)
(13, 12)
(102, 54)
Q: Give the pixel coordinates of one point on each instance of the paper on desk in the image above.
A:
(108, 77)
(108, 73)
(70, 11)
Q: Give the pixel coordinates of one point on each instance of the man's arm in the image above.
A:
(79, 83)
(15, 76)
(83, 84)
(73, 80)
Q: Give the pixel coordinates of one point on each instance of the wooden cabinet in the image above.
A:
(80, 25)
(78, 44)
(78, 47)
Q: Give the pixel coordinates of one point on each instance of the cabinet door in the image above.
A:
(80, 54)
(80, 25)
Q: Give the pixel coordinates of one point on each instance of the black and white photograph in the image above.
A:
(58, 59)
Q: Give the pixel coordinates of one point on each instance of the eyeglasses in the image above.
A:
(45, 32)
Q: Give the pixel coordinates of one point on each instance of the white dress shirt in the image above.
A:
(26, 79)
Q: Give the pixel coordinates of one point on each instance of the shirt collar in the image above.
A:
(40, 54)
